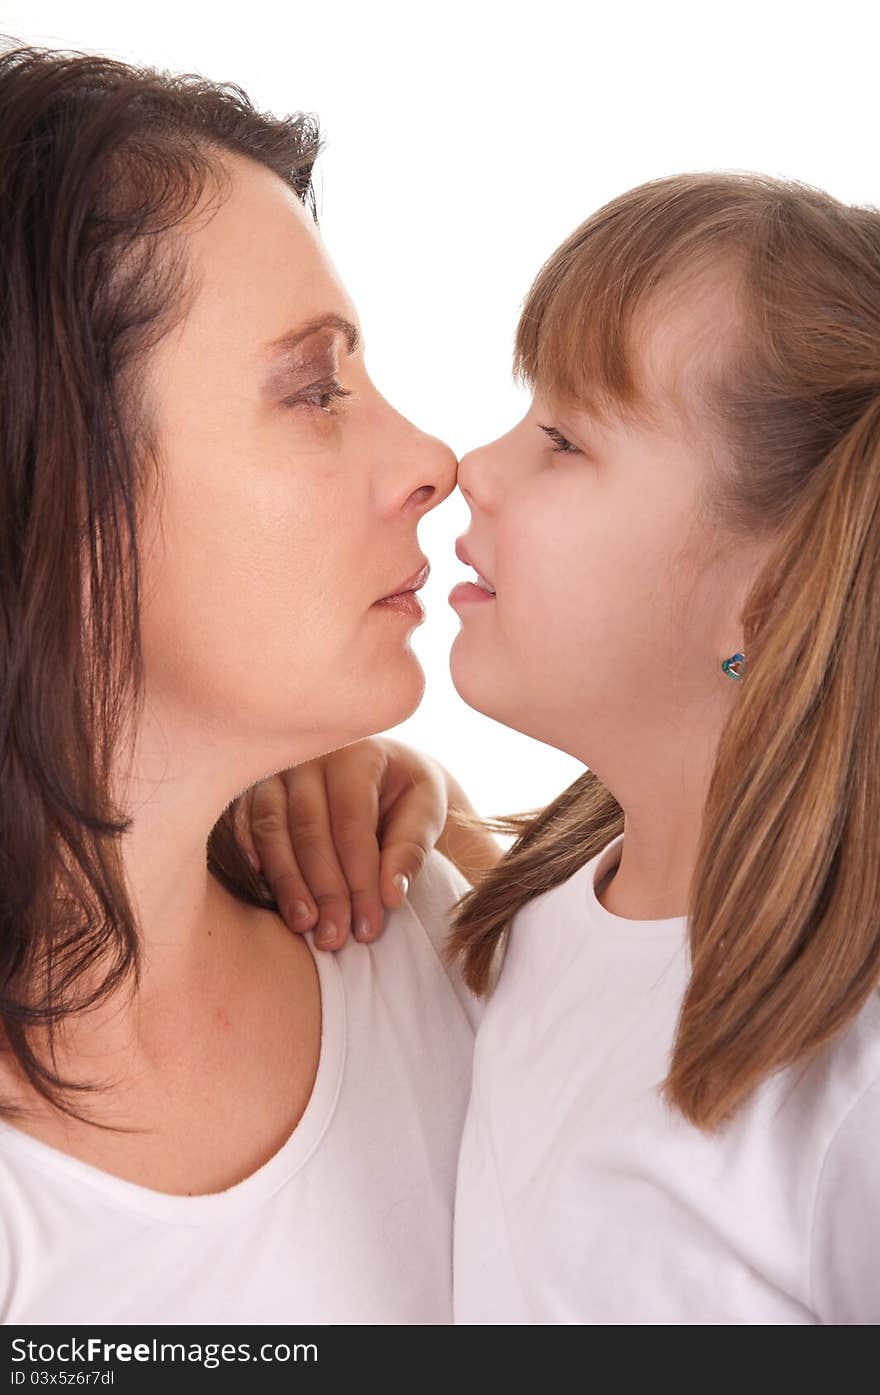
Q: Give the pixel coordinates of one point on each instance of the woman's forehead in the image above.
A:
(261, 269)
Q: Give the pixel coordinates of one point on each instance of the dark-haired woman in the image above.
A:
(208, 571)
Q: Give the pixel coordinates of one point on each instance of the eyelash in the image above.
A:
(561, 445)
(332, 390)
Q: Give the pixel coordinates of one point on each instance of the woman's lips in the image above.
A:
(408, 602)
(412, 583)
(406, 599)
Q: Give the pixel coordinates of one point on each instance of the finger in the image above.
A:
(241, 826)
(353, 801)
(271, 836)
(410, 830)
(311, 837)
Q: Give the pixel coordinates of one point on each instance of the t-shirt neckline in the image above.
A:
(257, 1186)
(667, 927)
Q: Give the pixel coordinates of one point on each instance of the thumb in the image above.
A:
(410, 828)
(400, 862)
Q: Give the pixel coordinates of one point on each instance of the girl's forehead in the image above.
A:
(682, 346)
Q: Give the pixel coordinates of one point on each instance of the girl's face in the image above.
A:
(286, 511)
(616, 599)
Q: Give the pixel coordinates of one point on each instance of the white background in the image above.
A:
(463, 143)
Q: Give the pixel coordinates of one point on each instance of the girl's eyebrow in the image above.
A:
(293, 337)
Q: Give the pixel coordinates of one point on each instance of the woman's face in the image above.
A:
(285, 513)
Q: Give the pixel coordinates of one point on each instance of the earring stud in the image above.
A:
(735, 666)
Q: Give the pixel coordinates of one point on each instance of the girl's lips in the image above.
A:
(468, 591)
(464, 556)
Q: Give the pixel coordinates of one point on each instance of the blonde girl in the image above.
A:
(675, 1107)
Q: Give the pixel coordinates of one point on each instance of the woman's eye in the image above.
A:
(560, 443)
(320, 396)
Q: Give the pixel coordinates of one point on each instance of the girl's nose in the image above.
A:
(474, 476)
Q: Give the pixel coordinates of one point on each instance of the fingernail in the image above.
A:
(401, 882)
(301, 911)
(254, 861)
(362, 928)
(325, 934)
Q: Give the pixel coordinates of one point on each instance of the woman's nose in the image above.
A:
(436, 472)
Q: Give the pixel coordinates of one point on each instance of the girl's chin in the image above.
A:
(469, 677)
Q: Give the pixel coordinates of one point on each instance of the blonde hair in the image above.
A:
(783, 918)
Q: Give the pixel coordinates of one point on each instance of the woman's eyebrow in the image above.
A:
(293, 337)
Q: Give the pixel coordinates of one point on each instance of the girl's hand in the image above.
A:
(340, 838)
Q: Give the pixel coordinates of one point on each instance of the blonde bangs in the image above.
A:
(574, 340)
(580, 334)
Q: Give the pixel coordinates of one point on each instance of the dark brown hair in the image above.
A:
(784, 926)
(100, 162)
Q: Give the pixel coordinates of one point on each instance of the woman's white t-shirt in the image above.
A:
(583, 1198)
(350, 1222)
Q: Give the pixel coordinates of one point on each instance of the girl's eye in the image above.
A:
(320, 396)
(559, 441)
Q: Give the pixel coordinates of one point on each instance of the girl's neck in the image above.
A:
(646, 884)
(602, 886)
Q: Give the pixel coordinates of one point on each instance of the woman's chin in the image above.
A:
(390, 696)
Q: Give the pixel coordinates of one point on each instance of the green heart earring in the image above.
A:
(735, 666)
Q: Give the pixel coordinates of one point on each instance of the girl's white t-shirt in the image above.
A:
(350, 1222)
(583, 1198)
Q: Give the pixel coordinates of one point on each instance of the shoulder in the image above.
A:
(546, 933)
(434, 895)
(842, 1072)
(427, 913)
(845, 1230)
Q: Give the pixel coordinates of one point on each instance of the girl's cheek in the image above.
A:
(537, 591)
